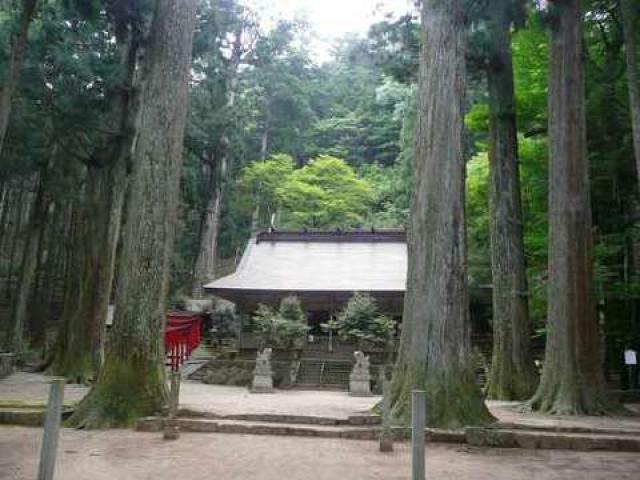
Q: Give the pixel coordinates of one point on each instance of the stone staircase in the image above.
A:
(199, 358)
(324, 374)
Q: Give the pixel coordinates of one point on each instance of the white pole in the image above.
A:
(51, 430)
(418, 416)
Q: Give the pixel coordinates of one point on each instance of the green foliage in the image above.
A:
(325, 194)
(284, 328)
(259, 183)
(391, 187)
(531, 71)
(533, 173)
(478, 220)
(361, 321)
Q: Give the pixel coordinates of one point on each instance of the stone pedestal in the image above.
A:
(263, 375)
(360, 378)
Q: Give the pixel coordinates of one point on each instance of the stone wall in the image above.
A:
(240, 373)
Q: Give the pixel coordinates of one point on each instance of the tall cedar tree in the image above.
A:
(512, 375)
(572, 379)
(629, 10)
(16, 58)
(435, 344)
(132, 382)
(80, 345)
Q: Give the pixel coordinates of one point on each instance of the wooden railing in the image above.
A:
(182, 336)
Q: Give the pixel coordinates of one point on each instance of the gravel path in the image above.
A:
(233, 400)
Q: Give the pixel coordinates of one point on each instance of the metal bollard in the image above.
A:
(386, 436)
(418, 417)
(51, 430)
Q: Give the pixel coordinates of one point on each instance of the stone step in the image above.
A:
(324, 374)
(27, 417)
(537, 439)
(351, 432)
(315, 387)
(190, 367)
(482, 437)
(566, 429)
(353, 420)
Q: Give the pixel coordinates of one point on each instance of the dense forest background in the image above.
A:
(275, 138)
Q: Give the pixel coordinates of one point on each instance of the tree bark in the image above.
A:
(15, 340)
(572, 379)
(132, 382)
(16, 58)
(435, 342)
(80, 345)
(629, 9)
(40, 313)
(512, 375)
(16, 227)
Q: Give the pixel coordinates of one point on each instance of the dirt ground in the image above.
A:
(128, 455)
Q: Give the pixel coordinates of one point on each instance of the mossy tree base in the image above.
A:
(505, 382)
(127, 389)
(78, 370)
(453, 398)
(570, 398)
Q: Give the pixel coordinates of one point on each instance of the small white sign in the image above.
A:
(110, 311)
(630, 357)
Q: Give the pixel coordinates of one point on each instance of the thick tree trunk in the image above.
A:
(435, 343)
(18, 48)
(572, 379)
(512, 375)
(16, 227)
(79, 350)
(629, 9)
(132, 382)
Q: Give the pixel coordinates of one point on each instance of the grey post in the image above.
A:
(171, 431)
(175, 394)
(51, 430)
(418, 415)
(386, 436)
